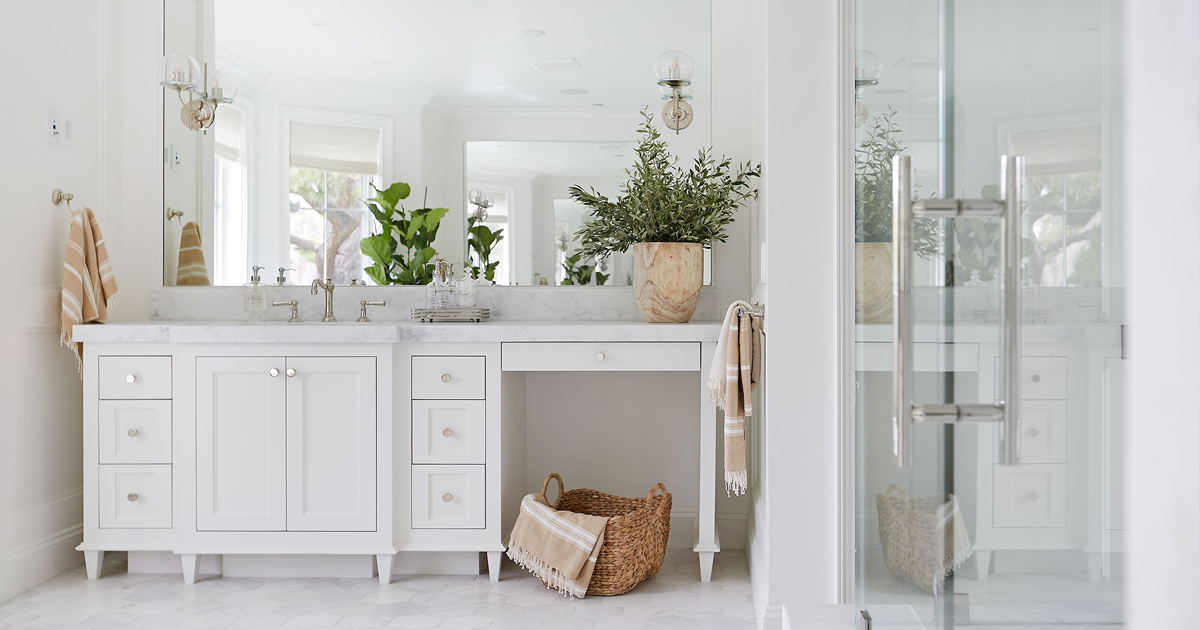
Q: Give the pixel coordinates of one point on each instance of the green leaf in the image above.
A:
(378, 274)
(378, 248)
(394, 193)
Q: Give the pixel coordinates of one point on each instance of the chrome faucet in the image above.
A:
(328, 286)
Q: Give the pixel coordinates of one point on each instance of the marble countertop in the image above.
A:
(391, 332)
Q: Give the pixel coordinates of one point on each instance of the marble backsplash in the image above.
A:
(506, 303)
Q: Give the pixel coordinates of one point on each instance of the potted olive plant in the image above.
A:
(873, 222)
(666, 214)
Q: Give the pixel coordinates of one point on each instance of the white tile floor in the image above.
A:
(675, 598)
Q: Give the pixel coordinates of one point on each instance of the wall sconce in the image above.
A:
(481, 201)
(674, 71)
(867, 69)
(183, 74)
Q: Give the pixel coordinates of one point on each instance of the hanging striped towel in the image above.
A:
(192, 269)
(558, 546)
(731, 383)
(89, 289)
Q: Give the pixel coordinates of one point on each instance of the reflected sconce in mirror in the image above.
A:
(183, 74)
(867, 69)
(674, 72)
(481, 201)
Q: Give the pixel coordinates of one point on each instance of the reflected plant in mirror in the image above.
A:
(480, 239)
(403, 250)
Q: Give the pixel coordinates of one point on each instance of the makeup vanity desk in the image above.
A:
(340, 439)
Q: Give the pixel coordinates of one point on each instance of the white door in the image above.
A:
(240, 459)
(331, 444)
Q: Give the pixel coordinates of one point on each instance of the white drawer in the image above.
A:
(448, 497)
(448, 432)
(135, 378)
(1030, 495)
(135, 497)
(1042, 378)
(1043, 435)
(601, 357)
(135, 431)
(448, 378)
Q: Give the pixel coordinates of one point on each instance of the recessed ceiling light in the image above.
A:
(573, 91)
(565, 63)
(891, 91)
(379, 62)
(1020, 64)
(532, 32)
(321, 24)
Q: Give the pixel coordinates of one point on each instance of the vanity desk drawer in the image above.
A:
(1042, 378)
(448, 497)
(135, 378)
(1030, 495)
(448, 432)
(135, 497)
(600, 357)
(135, 431)
(448, 378)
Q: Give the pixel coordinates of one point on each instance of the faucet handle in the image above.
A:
(362, 316)
(295, 304)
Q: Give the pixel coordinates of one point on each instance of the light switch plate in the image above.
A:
(53, 126)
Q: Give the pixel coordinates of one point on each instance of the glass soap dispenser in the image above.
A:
(467, 288)
(439, 294)
(254, 296)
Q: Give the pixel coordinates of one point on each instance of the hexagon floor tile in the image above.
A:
(674, 598)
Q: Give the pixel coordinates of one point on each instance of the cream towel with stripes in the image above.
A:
(89, 289)
(192, 268)
(558, 546)
(731, 384)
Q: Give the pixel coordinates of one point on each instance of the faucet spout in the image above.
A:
(328, 286)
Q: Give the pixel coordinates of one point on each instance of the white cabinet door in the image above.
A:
(331, 444)
(240, 440)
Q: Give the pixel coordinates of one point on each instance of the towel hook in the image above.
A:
(172, 213)
(758, 311)
(59, 197)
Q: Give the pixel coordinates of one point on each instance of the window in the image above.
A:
(331, 171)
(231, 198)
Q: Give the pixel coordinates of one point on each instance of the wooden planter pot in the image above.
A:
(666, 280)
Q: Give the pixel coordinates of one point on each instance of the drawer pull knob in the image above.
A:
(1033, 433)
(1033, 496)
(1036, 378)
(273, 372)
(599, 356)
(447, 432)
(132, 432)
(291, 372)
(129, 378)
(445, 378)
(132, 496)
(447, 497)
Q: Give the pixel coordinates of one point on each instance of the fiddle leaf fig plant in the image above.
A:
(480, 240)
(403, 250)
(576, 273)
(873, 189)
(664, 202)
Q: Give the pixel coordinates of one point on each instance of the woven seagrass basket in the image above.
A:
(923, 540)
(635, 539)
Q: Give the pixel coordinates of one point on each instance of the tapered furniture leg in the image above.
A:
(983, 560)
(494, 565)
(384, 562)
(706, 562)
(191, 567)
(93, 560)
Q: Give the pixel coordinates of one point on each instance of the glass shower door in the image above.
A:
(988, 339)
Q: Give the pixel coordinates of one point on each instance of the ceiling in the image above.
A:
(590, 160)
(473, 54)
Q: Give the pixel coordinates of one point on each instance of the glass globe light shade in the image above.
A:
(867, 65)
(674, 65)
(861, 113)
(685, 92)
(221, 88)
(180, 71)
(477, 197)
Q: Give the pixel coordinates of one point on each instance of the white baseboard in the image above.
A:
(287, 566)
(36, 556)
(731, 525)
(771, 619)
(167, 562)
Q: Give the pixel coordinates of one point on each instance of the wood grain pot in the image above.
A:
(666, 280)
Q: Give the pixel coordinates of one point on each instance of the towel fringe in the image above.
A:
(735, 482)
(548, 574)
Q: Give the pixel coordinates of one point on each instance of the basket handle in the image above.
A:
(890, 488)
(657, 486)
(546, 484)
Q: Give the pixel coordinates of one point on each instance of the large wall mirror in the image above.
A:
(490, 109)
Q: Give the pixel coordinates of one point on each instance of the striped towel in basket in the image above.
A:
(89, 288)
(731, 383)
(559, 547)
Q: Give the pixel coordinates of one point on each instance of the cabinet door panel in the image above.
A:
(331, 444)
(240, 444)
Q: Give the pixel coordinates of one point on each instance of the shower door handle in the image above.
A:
(905, 211)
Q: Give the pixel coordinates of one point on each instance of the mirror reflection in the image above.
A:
(281, 118)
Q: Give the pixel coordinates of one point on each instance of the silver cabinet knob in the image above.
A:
(1033, 433)
(1033, 496)
(132, 432)
(445, 378)
(129, 378)
(447, 432)
(1036, 378)
(447, 497)
(273, 371)
(599, 356)
(291, 371)
(132, 496)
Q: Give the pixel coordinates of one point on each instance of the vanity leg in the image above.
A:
(983, 560)
(384, 562)
(494, 565)
(707, 540)
(1095, 566)
(706, 562)
(191, 567)
(94, 561)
